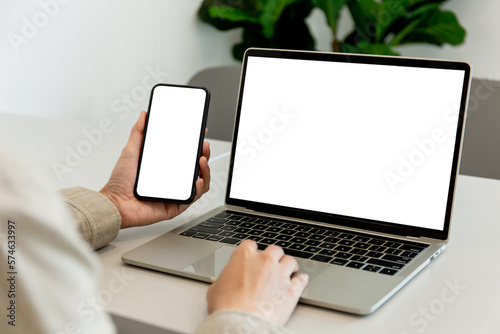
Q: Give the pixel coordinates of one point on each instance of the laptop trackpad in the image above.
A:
(212, 264)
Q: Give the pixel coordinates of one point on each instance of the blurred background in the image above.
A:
(86, 60)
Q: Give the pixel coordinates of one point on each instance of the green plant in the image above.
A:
(379, 26)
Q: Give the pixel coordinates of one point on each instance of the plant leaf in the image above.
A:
(373, 19)
(332, 9)
(271, 14)
(231, 14)
(437, 27)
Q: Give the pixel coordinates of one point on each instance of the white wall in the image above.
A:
(89, 59)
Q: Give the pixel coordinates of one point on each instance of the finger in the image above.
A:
(206, 130)
(137, 132)
(206, 150)
(290, 264)
(298, 284)
(248, 244)
(275, 251)
(205, 174)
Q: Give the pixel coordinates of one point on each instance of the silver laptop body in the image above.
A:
(363, 145)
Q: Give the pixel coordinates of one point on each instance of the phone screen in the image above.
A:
(172, 143)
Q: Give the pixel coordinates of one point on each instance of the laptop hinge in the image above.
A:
(413, 237)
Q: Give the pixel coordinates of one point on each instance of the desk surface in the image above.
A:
(456, 293)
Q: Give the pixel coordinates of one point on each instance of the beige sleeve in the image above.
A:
(97, 217)
(236, 321)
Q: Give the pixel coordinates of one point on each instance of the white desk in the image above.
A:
(457, 293)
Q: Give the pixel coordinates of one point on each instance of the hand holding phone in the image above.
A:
(172, 144)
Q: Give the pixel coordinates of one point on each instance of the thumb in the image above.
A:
(137, 132)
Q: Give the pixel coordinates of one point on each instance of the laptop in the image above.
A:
(348, 162)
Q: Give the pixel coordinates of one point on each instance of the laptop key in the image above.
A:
(362, 245)
(230, 241)
(201, 235)
(346, 236)
(339, 262)
(346, 242)
(288, 232)
(297, 246)
(254, 238)
(392, 244)
(361, 239)
(332, 240)
(374, 254)
(204, 229)
(327, 245)
(259, 227)
(226, 234)
(242, 230)
(228, 228)
(377, 248)
(241, 236)
(358, 251)
(377, 242)
(412, 248)
(387, 264)
(409, 254)
(297, 253)
(356, 265)
(274, 229)
(267, 241)
(284, 237)
(288, 226)
(328, 252)
(373, 269)
(214, 238)
(331, 233)
(317, 231)
(298, 240)
(283, 244)
(316, 237)
(387, 271)
(223, 214)
(341, 255)
(210, 225)
(269, 235)
(392, 251)
(321, 258)
(358, 258)
(188, 233)
(312, 242)
(217, 220)
(303, 235)
(312, 249)
(398, 259)
(247, 225)
(343, 248)
(302, 228)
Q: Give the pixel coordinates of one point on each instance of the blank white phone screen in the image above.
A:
(171, 144)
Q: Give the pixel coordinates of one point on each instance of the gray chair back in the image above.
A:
(223, 83)
(481, 147)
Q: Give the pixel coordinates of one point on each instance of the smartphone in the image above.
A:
(172, 143)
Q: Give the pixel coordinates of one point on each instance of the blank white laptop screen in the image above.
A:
(368, 141)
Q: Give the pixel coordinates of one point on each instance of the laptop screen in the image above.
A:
(370, 138)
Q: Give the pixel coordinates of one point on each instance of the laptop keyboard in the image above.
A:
(343, 248)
